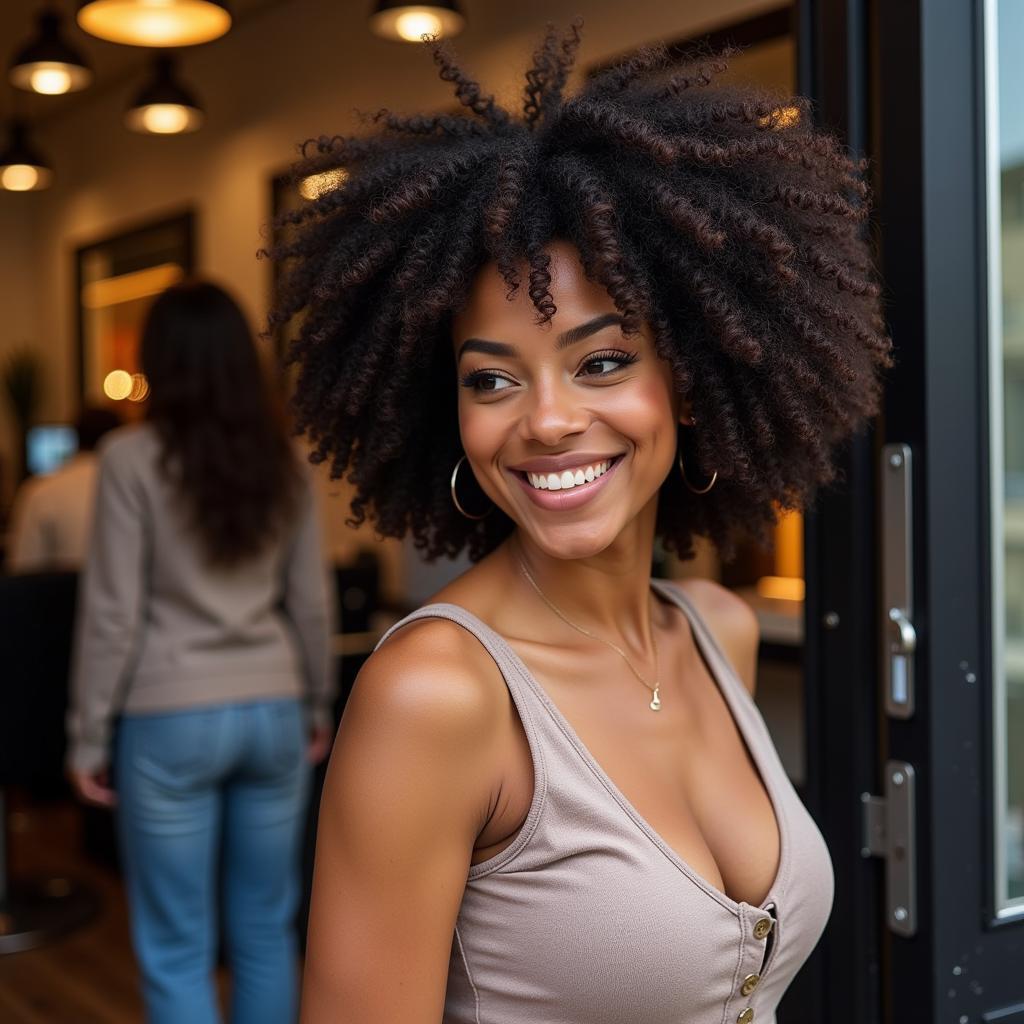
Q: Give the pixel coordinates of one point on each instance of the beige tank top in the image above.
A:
(589, 917)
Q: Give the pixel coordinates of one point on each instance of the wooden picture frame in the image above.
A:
(116, 279)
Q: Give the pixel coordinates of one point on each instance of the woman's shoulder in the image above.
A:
(714, 598)
(730, 620)
(128, 456)
(435, 671)
(128, 443)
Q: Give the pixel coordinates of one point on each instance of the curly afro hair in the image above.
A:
(716, 214)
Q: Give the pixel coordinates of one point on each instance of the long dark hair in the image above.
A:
(225, 445)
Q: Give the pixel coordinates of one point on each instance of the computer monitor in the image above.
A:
(49, 445)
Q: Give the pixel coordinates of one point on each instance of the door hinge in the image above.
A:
(888, 832)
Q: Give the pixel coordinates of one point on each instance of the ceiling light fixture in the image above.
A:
(22, 169)
(408, 23)
(47, 64)
(164, 106)
(155, 22)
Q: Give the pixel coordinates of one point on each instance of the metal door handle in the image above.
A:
(906, 635)
(898, 579)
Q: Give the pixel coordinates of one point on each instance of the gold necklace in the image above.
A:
(655, 704)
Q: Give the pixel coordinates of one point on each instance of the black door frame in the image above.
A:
(840, 542)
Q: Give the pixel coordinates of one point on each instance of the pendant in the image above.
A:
(656, 702)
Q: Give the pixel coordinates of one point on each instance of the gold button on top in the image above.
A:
(746, 1016)
(749, 984)
(762, 927)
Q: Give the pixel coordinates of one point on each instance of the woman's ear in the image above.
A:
(686, 412)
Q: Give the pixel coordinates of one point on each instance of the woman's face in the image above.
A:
(570, 428)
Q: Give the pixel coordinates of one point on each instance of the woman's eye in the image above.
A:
(596, 367)
(486, 382)
(601, 366)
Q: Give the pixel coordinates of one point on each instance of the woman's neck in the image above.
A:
(609, 593)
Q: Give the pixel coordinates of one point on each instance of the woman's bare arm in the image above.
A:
(412, 779)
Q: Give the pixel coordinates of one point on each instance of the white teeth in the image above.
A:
(568, 478)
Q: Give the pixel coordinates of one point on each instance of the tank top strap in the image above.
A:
(493, 642)
(723, 669)
(525, 692)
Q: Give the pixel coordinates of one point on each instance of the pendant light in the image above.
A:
(47, 64)
(164, 106)
(22, 169)
(395, 19)
(155, 22)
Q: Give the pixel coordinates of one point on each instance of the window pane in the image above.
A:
(1005, 35)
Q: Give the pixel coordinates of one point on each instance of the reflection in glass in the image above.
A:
(1005, 35)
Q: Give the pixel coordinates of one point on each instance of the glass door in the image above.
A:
(915, 568)
(945, 818)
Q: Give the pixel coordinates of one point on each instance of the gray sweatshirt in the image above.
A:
(158, 629)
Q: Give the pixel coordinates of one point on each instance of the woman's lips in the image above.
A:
(572, 497)
(560, 463)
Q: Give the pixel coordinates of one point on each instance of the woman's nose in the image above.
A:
(554, 413)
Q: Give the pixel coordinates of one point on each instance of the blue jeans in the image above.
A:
(215, 790)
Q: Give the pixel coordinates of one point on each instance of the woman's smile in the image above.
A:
(562, 490)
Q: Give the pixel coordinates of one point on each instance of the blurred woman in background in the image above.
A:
(204, 632)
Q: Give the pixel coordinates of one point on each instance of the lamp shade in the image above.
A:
(155, 22)
(164, 106)
(47, 64)
(22, 169)
(408, 23)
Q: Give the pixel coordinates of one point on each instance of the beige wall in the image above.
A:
(18, 216)
(18, 312)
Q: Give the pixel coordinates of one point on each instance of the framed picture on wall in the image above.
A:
(116, 279)
(765, 49)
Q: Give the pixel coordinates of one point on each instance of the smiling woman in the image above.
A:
(541, 308)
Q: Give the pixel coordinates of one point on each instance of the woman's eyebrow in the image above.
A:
(487, 348)
(575, 334)
(565, 339)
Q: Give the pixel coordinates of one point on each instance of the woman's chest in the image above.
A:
(685, 769)
(593, 921)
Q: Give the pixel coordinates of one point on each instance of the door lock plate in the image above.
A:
(900, 638)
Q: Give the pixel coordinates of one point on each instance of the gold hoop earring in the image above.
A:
(455, 497)
(682, 470)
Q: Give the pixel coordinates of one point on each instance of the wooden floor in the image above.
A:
(88, 976)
